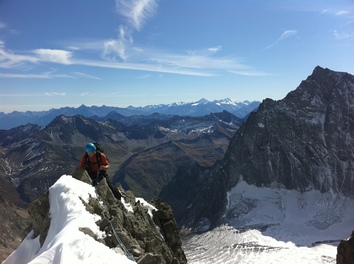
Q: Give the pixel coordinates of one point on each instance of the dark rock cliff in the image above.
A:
(137, 230)
(303, 142)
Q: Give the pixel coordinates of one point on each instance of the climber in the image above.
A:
(95, 162)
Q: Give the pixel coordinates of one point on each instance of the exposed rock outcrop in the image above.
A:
(134, 232)
(345, 251)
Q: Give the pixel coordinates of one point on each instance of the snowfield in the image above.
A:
(265, 225)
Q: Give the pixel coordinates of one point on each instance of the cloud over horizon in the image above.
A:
(120, 52)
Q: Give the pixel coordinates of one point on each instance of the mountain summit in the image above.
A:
(302, 142)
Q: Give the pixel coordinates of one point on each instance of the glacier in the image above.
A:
(275, 225)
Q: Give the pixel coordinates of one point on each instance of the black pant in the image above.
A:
(97, 178)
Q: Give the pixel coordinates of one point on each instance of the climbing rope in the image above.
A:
(120, 242)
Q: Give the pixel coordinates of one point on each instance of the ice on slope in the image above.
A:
(264, 225)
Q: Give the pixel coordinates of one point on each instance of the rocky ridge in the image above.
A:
(142, 238)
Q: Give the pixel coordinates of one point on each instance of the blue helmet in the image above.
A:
(90, 147)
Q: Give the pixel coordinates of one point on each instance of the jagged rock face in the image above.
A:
(197, 196)
(137, 230)
(302, 142)
(345, 251)
(305, 141)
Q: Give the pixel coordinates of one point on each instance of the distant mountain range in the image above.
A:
(200, 108)
(33, 157)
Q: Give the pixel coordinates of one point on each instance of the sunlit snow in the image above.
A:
(65, 243)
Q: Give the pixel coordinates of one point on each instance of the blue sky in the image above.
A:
(141, 52)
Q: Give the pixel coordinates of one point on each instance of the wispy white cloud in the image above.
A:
(54, 94)
(142, 67)
(202, 62)
(136, 12)
(345, 30)
(10, 60)
(195, 61)
(120, 53)
(337, 12)
(343, 35)
(205, 52)
(87, 76)
(285, 35)
(214, 49)
(23, 76)
(84, 94)
(2, 25)
(46, 75)
(250, 73)
(342, 13)
(114, 47)
(54, 55)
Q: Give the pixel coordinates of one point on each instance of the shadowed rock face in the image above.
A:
(303, 142)
(138, 230)
(345, 251)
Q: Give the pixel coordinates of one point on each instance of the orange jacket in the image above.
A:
(93, 162)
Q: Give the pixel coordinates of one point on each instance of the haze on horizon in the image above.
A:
(148, 52)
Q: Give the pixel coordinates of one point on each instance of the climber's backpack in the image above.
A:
(99, 150)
